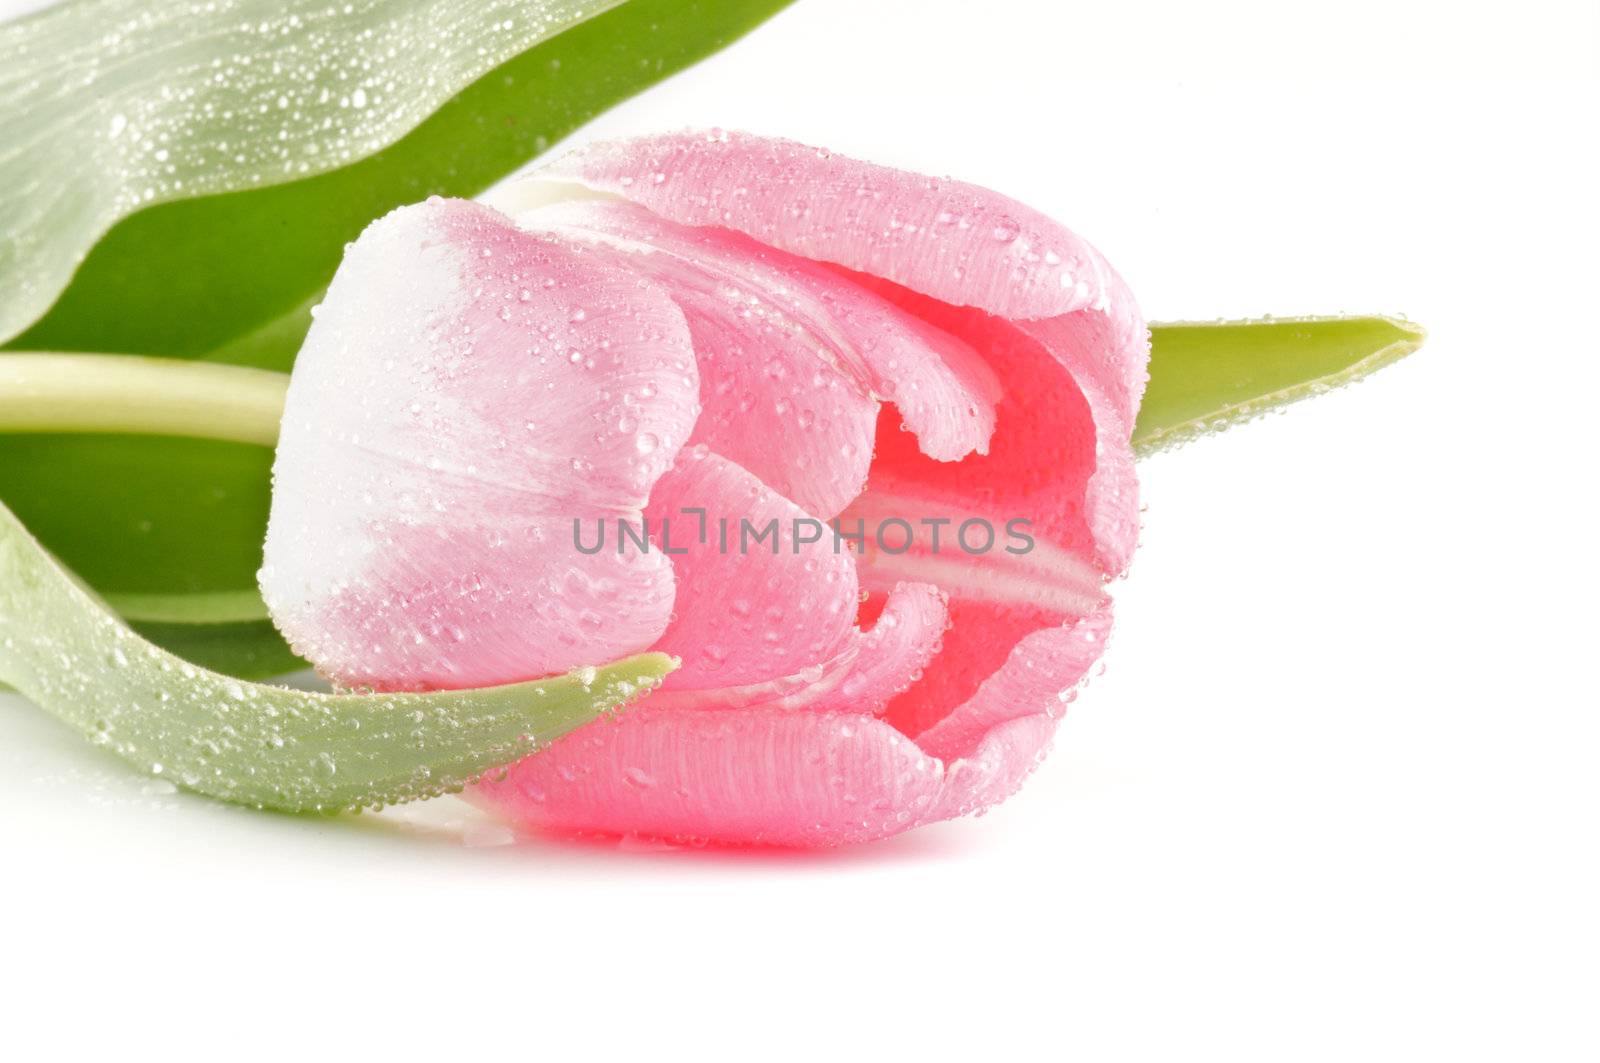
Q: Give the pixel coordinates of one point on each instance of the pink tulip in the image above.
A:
(691, 329)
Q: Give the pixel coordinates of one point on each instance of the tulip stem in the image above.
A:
(54, 392)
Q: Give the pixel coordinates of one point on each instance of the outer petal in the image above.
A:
(1002, 762)
(751, 776)
(756, 776)
(775, 398)
(956, 242)
(771, 776)
(466, 392)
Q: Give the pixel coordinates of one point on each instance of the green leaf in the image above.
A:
(143, 514)
(230, 188)
(168, 102)
(266, 746)
(1205, 377)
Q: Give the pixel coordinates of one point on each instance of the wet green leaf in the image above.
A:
(259, 172)
(1205, 377)
(266, 746)
(143, 514)
(113, 106)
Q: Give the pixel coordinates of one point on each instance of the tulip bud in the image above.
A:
(853, 444)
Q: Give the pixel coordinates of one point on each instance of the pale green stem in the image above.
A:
(50, 392)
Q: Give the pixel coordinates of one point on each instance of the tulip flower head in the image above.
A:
(851, 442)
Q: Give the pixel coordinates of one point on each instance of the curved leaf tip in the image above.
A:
(1205, 377)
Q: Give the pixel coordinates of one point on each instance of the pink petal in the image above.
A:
(788, 350)
(954, 241)
(745, 776)
(1037, 679)
(466, 392)
(861, 675)
(758, 390)
(1024, 627)
(758, 776)
(997, 768)
(895, 650)
(750, 608)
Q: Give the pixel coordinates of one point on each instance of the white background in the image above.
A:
(1335, 796)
